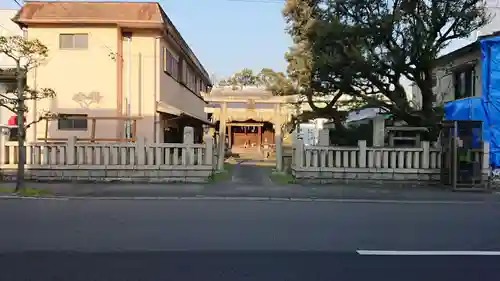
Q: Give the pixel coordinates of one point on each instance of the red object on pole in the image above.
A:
(13, 120)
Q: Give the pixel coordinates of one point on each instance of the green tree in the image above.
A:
(301, 17)
(244, 78)
(364, 48)
(27, 54)
(277, 82)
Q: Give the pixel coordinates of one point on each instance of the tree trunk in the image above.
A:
(20, 131)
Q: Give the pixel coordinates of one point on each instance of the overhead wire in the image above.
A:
(260, 1)
(18, 3)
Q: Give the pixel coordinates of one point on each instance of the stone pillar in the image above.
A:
(278, 137)
(229, 138)
(3, 140)
(378, 131)
(298, 157)
(324, 137)
(259, 138)
(71, 151)
(279, 146)
(222, 136)
(486, 170)
(209, 151)
(140, 151)
(188, 135)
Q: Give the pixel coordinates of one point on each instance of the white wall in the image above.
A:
(7, 28)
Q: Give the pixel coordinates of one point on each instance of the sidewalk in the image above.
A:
(347, 192)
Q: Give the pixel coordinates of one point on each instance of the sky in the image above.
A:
(229, 35)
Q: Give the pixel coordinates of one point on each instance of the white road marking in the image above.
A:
(427, 253)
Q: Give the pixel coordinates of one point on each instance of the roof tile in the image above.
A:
(92, 11)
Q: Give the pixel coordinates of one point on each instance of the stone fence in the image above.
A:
(333, 163)
(139, 161)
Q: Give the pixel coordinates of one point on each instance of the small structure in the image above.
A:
(462, 155)
(405, 136)
(244, 118)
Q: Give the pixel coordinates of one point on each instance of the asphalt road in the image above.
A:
(243, 240)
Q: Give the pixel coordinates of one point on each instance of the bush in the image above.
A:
(349, 136)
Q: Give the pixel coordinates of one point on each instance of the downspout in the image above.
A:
(128, 131)
(119, 82)
(156, 120)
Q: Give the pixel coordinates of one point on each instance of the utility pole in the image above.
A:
(213, 79)
(20, 126)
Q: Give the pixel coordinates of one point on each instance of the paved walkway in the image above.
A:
(253, 172)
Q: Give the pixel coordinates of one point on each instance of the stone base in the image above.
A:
(112, 175)
(416, 177)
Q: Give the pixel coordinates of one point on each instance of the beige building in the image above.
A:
(113, 61)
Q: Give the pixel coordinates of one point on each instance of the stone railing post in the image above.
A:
(426, 154)
(71, 151)
(362, 153)
(188, 135)
(209, 149)
(299, 154)
(188, 153)
(486, 159)
(221, 142)
(378, 131)
(3, 146)
(140, 150)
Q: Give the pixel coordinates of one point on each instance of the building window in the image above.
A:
(464, 83)
(201, 85)
(434, 80)
(171, 64)
(185, 75)
(13, 134)
(73, 41)
(189, 78)
(192, 82)
(72, 122)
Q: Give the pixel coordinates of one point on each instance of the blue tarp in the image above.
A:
(487, 107)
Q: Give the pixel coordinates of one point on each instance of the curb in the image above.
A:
(275, 199)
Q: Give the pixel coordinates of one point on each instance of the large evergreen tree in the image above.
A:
(364, 48)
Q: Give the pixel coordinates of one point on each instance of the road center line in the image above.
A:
(427, 253)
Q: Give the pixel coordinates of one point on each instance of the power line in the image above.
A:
(18, 3)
